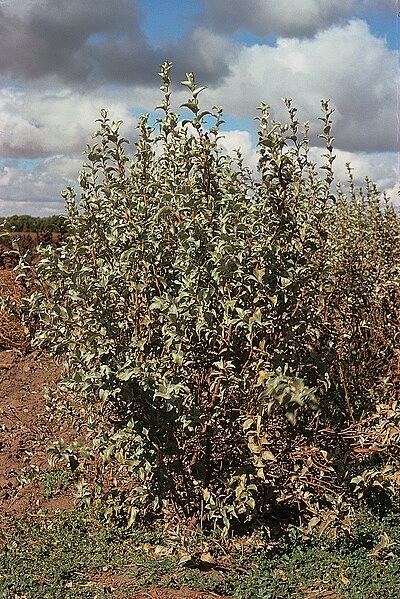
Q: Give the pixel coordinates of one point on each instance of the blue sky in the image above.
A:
(168, 21)
(61, 61)
(172, 20)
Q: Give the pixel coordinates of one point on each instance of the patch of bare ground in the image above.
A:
(26, 431)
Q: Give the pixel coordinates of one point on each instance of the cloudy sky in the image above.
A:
(61, 61)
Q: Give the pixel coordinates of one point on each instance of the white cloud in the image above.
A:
(347, 64)
(5, 176)
(63, 167)
(32, 193)
(209, 52)
(289, 18)
(36, 123)
(380, 167)
(234, 140)
(39, 191)
(36, 188)
(393, 193)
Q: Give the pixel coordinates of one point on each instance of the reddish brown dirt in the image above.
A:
(26, 242)
(25, 432)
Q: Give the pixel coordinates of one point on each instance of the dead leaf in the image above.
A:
(184, 557)
(267, 455)
(344, 579)
(384, 543)
(207, 558)
(161, 551)
(281, 573)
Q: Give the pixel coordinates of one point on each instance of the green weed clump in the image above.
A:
(225, 331)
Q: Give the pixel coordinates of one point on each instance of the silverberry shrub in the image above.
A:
(210, 319)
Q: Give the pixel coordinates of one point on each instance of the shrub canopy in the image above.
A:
(221, 327)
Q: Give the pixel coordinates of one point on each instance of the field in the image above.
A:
(16, 244)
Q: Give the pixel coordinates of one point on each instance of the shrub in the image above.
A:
(207, 317)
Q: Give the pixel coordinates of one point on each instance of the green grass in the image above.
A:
(353, 565)
(75, 554)
(70, 554)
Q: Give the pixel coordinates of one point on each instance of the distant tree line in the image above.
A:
(34, 224)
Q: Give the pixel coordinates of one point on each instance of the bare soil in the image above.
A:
(26, 430)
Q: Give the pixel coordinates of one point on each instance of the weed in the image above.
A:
(55, 481)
